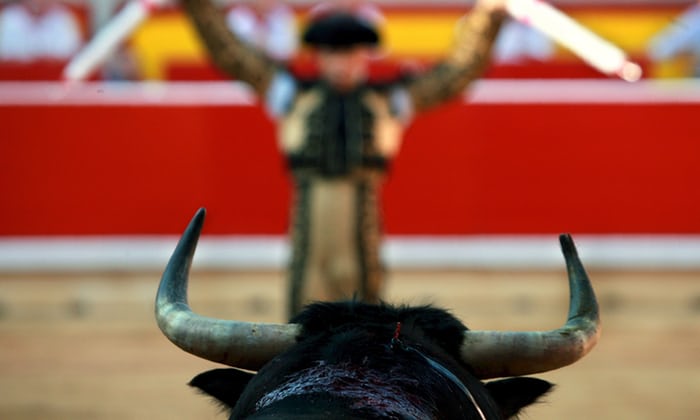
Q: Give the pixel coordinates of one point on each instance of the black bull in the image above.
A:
(350, 360)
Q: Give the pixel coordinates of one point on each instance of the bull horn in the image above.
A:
(493, 354)
(240, 344)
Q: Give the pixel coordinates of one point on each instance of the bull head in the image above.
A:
(490, 354)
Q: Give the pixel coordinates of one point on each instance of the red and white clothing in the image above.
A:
(26, 36)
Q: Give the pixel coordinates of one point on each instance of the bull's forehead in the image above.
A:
(430, 322)
(383, 393)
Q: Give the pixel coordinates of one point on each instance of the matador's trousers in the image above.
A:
(336, 231)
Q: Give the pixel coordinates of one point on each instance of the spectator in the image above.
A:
(122, 65)
(269, 25)
(38, 30)
(681, 37)
(518, 42)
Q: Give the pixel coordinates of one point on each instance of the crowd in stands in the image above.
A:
(37, 30)
(38, 37)
(681, 37)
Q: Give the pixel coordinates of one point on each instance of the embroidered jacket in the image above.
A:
(327, 134)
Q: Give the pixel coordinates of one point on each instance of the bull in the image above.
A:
(352, 360)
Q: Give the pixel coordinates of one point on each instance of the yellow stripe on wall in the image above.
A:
(171, 37)
(630, 31)
(416, 35)
(164, 39)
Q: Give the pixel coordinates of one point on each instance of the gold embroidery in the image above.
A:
(293, 128)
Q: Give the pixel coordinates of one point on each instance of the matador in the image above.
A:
(340, 131)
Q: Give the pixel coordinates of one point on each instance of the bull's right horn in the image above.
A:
(493, 354)
(240, 344)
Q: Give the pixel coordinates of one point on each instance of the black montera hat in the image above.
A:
(341, 30)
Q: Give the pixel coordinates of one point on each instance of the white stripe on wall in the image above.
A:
(169, 94)
(669, 252)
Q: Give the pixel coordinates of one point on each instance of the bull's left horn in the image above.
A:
(493, 354)
(240, 344)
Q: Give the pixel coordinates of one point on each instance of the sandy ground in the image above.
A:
(85, 346)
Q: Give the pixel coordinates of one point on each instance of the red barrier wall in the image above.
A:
(486, 167)
(551, 168)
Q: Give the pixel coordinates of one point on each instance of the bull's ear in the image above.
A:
(226, 385)
(514, 394)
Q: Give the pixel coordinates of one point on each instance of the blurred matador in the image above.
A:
(340, 131)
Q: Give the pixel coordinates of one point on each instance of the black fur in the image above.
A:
(434, 324)
(512, 394)
(358, 337)
(226, 385)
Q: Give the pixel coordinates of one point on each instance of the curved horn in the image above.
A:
(240, 344)
(493, 354)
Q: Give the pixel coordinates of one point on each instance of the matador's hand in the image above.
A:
(492, 5)
(160, 3)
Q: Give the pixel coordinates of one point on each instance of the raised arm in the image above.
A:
(228, 52)
(474, 37)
